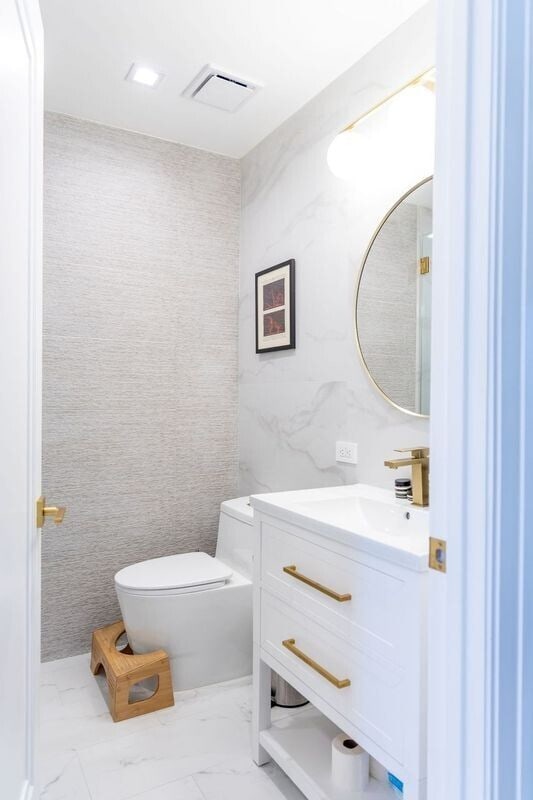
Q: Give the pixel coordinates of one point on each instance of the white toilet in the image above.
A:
(197, 608)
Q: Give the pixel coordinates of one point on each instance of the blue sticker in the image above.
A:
(395, 782)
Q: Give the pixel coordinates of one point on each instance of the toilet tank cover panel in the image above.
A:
(239, 508)
(173, 572)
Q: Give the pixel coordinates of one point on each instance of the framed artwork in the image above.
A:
(275, 327)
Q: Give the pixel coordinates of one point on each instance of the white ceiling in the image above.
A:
(293, 47)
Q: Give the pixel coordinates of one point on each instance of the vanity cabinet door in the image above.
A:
(376, 699)
(374, 616)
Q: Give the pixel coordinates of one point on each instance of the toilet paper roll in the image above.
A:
(350, 764)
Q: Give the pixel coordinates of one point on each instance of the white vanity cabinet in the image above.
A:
(347, 629)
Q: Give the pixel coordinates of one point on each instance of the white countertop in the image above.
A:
(358, 515)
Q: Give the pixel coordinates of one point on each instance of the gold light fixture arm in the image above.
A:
(426, 78)
(42, 511)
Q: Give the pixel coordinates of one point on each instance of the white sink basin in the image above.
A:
(364, 516)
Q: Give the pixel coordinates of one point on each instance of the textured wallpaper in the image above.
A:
(295, 404)
(387, 307)
(141, 246)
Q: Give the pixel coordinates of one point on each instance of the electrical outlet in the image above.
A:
(346, 452)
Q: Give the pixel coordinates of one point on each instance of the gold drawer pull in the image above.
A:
(340, 598)
(290, 644)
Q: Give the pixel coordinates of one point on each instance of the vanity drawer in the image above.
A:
(367, 690)
(365, 605)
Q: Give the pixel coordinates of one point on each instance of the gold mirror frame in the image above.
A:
(357, 288)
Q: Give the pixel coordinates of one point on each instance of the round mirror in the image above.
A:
(393, 302)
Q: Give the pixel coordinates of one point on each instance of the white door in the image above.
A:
(21, 111)
(481, 615)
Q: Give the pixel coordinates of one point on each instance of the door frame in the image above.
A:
(31, 26)
(481, 611)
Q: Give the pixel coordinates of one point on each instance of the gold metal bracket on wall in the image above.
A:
(42, 511)
(425, 265)
(437, 554)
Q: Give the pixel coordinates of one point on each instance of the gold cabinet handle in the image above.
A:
(42, 511)
(339, 683)
(340, 598)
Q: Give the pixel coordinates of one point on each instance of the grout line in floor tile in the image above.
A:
(198, 785)
(153, 788)
(115, 738)
(83, 775)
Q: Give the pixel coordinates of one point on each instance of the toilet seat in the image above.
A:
(179, 574)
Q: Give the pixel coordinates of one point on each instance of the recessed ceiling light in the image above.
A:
(146, 76)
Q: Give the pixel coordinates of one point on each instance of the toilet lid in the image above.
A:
(174, 572)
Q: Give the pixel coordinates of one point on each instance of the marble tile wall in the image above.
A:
(295, 404)
(141, 248)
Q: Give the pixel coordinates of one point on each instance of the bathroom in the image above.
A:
(246, 355)
(164, 409)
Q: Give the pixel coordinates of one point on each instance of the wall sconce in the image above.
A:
(398, 135)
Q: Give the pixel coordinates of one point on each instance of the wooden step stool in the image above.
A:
(123, 669)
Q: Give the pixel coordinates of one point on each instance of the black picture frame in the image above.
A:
(287, 337)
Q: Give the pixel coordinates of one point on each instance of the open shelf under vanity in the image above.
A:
(301, 745)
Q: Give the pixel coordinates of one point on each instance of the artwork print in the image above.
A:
(274, 308)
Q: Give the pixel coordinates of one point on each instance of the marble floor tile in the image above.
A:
(241, 779)
(61, 778)
(116, 770)
(209, 702)
(74, 710)
(186, 789)
(49, 668)
(197, 750)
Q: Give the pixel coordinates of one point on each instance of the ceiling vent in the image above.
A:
(215, 87)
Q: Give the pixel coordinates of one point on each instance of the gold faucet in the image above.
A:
(419, 462)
